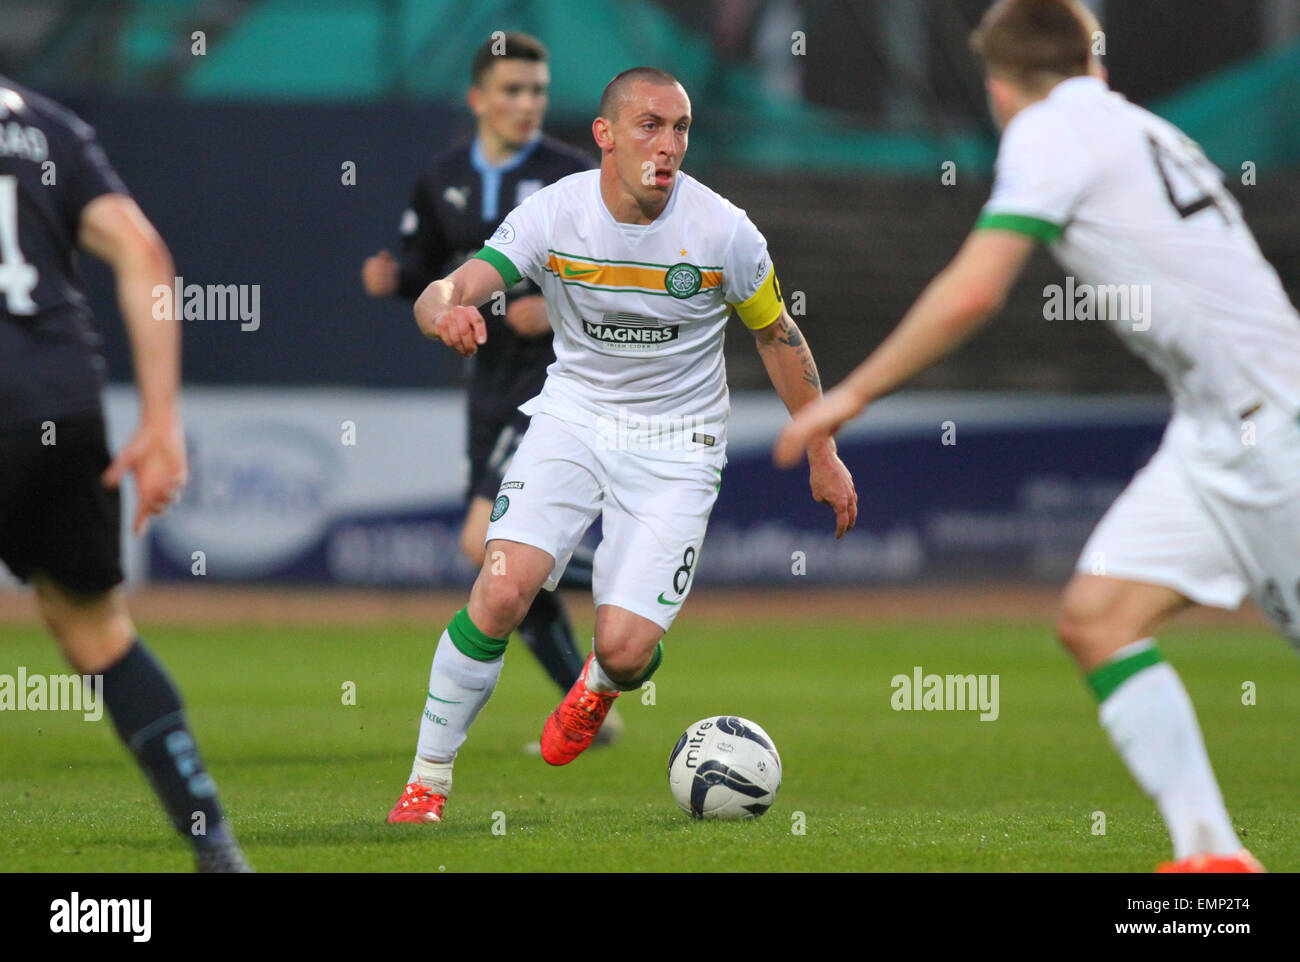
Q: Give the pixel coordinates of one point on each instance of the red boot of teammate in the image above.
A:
(1243, 861)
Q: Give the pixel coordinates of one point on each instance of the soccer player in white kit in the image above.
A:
(641, 266)
(1127, 204)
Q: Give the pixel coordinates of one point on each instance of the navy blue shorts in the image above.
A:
(56, 517)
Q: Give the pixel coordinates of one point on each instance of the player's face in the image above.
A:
(650, 136)
(510, 100)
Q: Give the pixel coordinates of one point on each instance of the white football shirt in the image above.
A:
(1134, 212)
(639, 311)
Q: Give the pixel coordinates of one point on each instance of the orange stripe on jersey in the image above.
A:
(623, 276)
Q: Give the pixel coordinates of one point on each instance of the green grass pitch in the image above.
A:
(308, 779)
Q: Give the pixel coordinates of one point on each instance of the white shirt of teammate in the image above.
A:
(1125, 199)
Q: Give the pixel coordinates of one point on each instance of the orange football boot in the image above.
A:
(570, 729)
(1243, 861)
(417, 804)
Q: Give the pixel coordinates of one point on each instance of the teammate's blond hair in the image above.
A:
(1035, 43)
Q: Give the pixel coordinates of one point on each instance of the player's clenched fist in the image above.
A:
(460, 328)
(380, 275)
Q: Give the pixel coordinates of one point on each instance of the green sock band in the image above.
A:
(471, 642)
(1108, 676)
(653, 667)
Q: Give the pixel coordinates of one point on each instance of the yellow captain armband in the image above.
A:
(764, 306)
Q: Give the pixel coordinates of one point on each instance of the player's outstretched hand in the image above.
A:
(156, 456)
(832, 484)
(813, 423)
(379, 274)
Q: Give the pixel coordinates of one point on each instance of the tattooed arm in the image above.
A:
(789, 363)
(793, 371)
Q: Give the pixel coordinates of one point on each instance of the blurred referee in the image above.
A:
(60, 508)
(457, 203)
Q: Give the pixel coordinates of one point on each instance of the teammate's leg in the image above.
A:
(1107, 624)
(97, 637)
(466, 665)
(1156, 550)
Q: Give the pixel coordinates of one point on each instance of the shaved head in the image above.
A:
(616, 91)
(642, 132)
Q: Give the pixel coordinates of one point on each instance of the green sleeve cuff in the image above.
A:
(509, 273)
(1035, 227)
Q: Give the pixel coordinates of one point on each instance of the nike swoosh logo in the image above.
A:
(662, 602)
(445, 701)
(570, 272)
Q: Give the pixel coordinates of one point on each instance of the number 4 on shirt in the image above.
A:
(17, 278)
(1185, 171)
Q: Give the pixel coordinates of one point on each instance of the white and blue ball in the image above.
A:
(724, 767)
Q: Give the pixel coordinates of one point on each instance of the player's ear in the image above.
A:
(474, 99)
(1002, 98)
(600, 131)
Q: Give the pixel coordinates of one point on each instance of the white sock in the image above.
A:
(458, 687)
(597, 680)
(1153, 726)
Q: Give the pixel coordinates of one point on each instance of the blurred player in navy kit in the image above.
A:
(457, 203)
(60, 509)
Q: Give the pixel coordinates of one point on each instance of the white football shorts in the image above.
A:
(653, 514)
(1213, 532)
